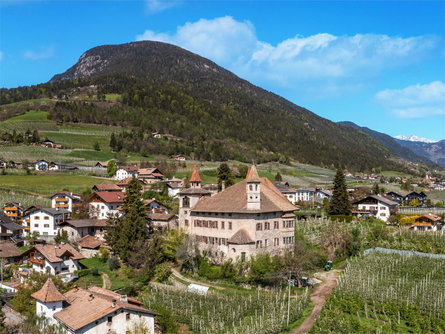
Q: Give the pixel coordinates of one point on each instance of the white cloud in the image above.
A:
(156, 6)
(323, 63)
(43, 53)
(415, 101)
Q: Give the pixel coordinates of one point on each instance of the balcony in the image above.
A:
(63, 205)
(61, 199)
(37, 261)
(10, 208)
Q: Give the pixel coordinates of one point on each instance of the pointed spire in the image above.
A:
(252, 175)
(248, 173)
(48, 293)
(195, 175)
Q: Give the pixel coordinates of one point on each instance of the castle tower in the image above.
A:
(48, 301)
(253, 189)
(195, 180)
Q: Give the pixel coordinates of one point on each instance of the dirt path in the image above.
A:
(318, 297)
(176, 273)
(106, 282)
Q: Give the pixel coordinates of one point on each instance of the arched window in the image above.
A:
(250, 187)
(186, 202)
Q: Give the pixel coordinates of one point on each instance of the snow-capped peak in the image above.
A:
(415, 138)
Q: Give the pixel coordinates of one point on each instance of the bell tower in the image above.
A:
(253, 189)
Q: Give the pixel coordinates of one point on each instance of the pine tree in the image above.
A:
(340, 204)
(278, 177)
(112, 141)
(225, 174)
(376, 189)
(131, 227)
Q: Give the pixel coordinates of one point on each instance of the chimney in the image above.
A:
(223, 185)
(124, 298)
(113, 302)
(91, 297)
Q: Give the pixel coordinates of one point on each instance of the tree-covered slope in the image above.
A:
(432, 151)
(216, 114)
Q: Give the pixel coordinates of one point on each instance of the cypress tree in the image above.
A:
(340, 204)
(225, 174)
(278, 177)
(131, 227)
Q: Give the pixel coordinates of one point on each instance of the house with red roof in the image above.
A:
(103, 204)
(92, 310)
(124, 172)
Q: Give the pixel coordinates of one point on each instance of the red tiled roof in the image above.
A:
(253, 175)
(129, 168)
(195, 175)
(107, 186)
(48, 293)
(110, 196)
(90, 242)
(54, 253)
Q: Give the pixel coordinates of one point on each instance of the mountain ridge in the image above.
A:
(220, 116)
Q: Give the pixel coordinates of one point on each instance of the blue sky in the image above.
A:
(379, 64)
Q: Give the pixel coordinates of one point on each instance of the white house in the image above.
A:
(45, 221)
(41, 165)
(106, 203)
(152, 206)
(377, 206)
(78, 228)
(124, 172)
(54, 259)
(65, 200)
(304, 195)
(93, 310)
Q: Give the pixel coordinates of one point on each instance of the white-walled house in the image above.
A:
(152, 206)
(45, 221)
(93, 310)
(78, 228)
(105, 203)
(125, 172)
(54, 259)
(376, 206)
(304, 195)
(41, 165)
(65, 200)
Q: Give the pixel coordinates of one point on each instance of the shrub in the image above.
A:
(84, 272)
(103, 254)
(95, 271)
(345, 218)
(113, 263)
(163, 272)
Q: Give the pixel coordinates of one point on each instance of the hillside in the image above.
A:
(432, 151)
(392, 144)
(213, 114)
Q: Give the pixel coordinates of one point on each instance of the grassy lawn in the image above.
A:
(92, 155)
(77, 140)
(118, 277)
(390, 173)
(33, 120)
(47, 184)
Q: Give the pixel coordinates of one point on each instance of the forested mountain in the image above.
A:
(212, 113)
(433, 151)
(392, 144)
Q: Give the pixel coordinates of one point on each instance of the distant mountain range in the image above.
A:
(434, 151)
(217, 115)
(411, 148)
(415, 138)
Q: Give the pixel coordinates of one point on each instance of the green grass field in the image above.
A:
(47, 184)
(31, 120)
(118, 278)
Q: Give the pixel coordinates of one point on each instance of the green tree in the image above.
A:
(225, 174)
(242, 171)
(340, 204)
(111, 168)
(113, 142)
(278, 177)
(96, 146)
(61, 237)
(376, 189)
(131, 227)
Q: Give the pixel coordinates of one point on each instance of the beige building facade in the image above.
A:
(245, 219)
